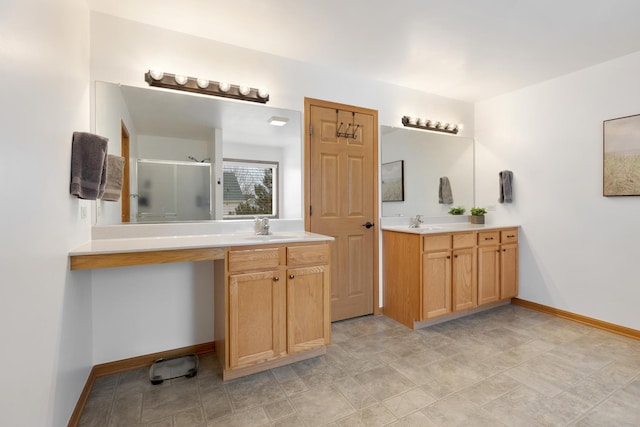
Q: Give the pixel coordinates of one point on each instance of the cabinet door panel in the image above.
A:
(436, 284)
(464, 279)
(509, 271)
(308, 308)
(488, 274)
(256, 317)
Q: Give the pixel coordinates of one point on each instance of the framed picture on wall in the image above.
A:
(621, 170)
(393, 181)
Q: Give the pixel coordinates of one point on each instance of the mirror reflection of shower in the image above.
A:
(173, 191)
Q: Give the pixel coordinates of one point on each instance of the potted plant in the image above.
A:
(457, 211)
(477, 215)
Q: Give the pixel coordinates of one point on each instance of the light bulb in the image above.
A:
(244, 90)
(181, 79)
(263, 93)
(156, 75)
(224, 86)
(203, 83)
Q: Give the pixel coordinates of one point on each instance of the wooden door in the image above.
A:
(125, 197)
(436, 284)
(308, 311)
(341, 181)
(509, 271)
(465, 291)
(257, 328)
(488, 274)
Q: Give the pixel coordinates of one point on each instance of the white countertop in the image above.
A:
(143, 244)
(445, 228)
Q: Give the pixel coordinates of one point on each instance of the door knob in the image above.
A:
(368, 224)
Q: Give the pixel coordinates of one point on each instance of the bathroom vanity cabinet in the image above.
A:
(272, 293)
(427, 276)
(273, 306)
(497, 265)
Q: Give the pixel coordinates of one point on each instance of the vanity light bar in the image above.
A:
(204, 86)
(434, 125)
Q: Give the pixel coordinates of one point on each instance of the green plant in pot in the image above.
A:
(477, 215)
(457, 211)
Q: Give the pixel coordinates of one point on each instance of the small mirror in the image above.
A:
(423, 158)
(183, 152)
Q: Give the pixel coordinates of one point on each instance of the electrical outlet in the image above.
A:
(83, 212)
(491, 208)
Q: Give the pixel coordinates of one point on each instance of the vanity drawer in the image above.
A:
(436, 242)
(488, 238)
(464, 240)
(307, 255)
(252, 259)
(509, 236)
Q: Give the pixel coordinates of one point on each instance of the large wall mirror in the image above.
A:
(198, 158)
(417, 160)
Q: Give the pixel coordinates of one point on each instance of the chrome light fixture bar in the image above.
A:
(204, 86)
(434, 125)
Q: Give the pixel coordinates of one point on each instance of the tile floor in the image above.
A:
(509, 366)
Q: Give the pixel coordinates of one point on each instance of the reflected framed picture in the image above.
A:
(393, 181)
(621, 157)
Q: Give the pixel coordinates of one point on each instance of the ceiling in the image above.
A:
(462, 49)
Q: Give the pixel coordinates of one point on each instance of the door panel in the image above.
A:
(342, 197)
(436, 284)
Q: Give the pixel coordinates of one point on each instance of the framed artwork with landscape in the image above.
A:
(621, 170)
(393, 181)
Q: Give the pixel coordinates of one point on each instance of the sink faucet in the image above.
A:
(415, 221)
(262, 226)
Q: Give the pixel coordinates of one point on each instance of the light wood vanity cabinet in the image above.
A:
(448, 274)
(497, 265)
(277, 307)
(432, 275)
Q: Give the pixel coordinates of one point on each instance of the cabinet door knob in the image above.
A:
(510, 235)
(488, 238)
(497, 250)
(455, 256)
(448, 257)
(275, 279)
(292, 276)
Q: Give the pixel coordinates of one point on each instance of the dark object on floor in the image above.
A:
(166, 369)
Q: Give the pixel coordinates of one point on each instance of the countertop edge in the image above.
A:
(446, 228)
(168, 243)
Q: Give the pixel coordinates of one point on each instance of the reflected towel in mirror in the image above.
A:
(88, 165)
(115, 170)
(445, 195)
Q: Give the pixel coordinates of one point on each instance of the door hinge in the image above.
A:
(310, 130)
(310, 210)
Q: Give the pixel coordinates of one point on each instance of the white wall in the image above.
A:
(121, 52)
(579, 250)
(45, 310)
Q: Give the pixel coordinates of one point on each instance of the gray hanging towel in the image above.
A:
(115, 170)
(445, 196)
(506, 188)
(88, 165)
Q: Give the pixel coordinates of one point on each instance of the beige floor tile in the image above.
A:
(417, 419)
(489, 389)
(253, 417)
(455, 411)
(406, 403)
(384, 382)
(373, 416)
(508, 365)
(321, 405)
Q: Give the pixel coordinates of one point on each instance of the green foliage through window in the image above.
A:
(249, 188)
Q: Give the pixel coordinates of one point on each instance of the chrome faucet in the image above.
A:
(415, 221)
(262, 226)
